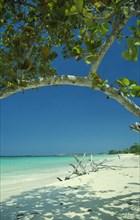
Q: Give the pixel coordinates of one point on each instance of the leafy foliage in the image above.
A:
(129, 87)
(97, 81)
(132, 53)
(134, 149)
(32, 31)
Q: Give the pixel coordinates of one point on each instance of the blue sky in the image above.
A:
(68, 119)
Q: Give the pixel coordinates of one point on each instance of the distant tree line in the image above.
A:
(134, 149)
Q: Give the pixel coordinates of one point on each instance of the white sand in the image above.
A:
(104, 195)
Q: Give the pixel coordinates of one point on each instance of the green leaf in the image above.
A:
(104, 82)
(73, 9)
(130, 42)
(1, 5)
(89, 59)
(133, 28)
(90, 45)
(104, 28)
(131, 54)
(79, 5)
(123, 82)
(137, 42)
(76, 50)
(124, 90)
(138, 22)
(136, 91)
(121, 36)
(126, 11)
(45, 52)
(97, 4)
(126, 55)
(138, 33)
(89, 22)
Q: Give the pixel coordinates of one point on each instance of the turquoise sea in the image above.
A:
(37, 165)
(20, 174)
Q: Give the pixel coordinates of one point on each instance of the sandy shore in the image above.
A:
(108, 194)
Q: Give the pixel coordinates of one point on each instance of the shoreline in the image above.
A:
(107, 194)
(19, 180)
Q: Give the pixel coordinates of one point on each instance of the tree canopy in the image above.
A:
(32, 30)
(134, 149)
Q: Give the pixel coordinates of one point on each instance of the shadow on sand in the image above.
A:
(64, 203)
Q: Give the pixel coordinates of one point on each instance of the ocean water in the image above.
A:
(18, 166)
(26, 173)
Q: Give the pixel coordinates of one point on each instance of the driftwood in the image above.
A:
(59, 179)
(80, 163)
(86, 165)
(77, 171)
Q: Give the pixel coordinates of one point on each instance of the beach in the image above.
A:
(107, 194)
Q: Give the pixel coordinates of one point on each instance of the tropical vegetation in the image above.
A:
(134, 149)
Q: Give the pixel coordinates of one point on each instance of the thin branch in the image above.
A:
(117, 28)
(119, 25)
(76, 81)
(135, 127)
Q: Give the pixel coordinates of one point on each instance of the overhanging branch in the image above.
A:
(76, 81)
(48, 81)
(123, 100)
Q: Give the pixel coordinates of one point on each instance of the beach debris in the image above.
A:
(59, 179)
(79, 169)
(130, 203)
(85, 165)
(73, 187)
(89, 210)
(20, 214)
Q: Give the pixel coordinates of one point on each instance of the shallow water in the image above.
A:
(13, 166)
(20, 174)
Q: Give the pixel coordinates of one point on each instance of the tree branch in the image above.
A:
(135, 127)
(76, 81)
(123, 100)
(119, 24)
(48, 81)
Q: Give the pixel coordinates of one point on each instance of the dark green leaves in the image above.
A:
(132, 52)
(104, 28)
(135, 91)
(78, 27)
(45, 52)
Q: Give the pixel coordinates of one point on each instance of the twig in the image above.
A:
(135, 127)
(59, 179)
